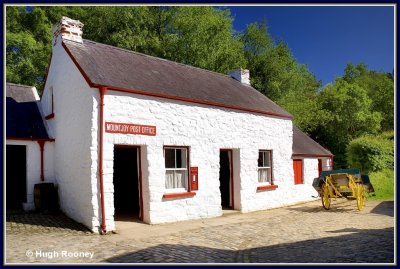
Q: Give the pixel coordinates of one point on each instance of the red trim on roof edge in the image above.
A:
(189, 100)
(311, 155)
(91, 84)
(30, 139)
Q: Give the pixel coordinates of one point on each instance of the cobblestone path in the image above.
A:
(304, 233)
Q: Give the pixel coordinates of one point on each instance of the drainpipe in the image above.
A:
(332, 163)
(102, 91)
(41, 145)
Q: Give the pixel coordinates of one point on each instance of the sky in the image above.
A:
(327, 38)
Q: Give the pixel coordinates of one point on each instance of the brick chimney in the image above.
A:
(67, 29)
(242, 75)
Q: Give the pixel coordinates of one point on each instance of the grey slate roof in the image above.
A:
(110, 66)
(23, 118)
(104, 65)
(304, 145)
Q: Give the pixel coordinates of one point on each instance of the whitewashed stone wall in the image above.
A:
(75, 130)
(310, 171)
(33, 167)
(205, 130)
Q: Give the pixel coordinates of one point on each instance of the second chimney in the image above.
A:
(68, 29)
(242, 75)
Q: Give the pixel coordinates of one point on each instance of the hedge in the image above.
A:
(371, 153)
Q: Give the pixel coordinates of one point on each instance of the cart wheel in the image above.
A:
(326, 199)
(360, 196)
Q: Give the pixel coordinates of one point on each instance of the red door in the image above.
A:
(298, 171)
(319, 167)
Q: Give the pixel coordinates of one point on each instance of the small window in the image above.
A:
(176, 168)
(50, 104)
(265, 166)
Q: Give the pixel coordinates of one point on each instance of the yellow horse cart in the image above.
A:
(344, 183)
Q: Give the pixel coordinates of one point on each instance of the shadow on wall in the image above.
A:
(359, 246)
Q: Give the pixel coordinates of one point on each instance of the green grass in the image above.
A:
(383, 183)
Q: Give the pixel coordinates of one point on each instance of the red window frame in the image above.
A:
(188, 192)
(271, 165)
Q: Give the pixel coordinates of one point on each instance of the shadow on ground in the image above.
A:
(20, 221)
(343, 205)
(336, 206)
(358, 246)
(384, 208)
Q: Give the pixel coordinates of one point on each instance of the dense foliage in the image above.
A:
(199, 36)
(372, 153)
(359, 103)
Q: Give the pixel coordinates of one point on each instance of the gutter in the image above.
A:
(312, 155)
(102, 91)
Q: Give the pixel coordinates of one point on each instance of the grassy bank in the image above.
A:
(383, 183)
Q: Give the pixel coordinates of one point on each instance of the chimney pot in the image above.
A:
(241, 75)
(68, 29)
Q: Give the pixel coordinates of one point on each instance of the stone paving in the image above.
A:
(304, 233)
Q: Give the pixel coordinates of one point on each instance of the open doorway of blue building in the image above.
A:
(127, 183)
(226, 179)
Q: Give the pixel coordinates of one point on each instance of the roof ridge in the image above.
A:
(20, 85)
(154, 57)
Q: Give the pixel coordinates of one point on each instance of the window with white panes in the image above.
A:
(265, 167)
(176, 168)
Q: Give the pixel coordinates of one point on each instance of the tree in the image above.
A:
(353, 72)
(199, 36)
(348, 107)
(28, 42)
(204, 37)
(137, 28)
(27, 53)
(276, 73)
(380, 89)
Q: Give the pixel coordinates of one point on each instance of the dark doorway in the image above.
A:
(225, 177)
(126, 183)
(16, 176)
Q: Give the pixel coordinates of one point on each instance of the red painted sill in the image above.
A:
(267, 188)
(179, 194)
(50, 116)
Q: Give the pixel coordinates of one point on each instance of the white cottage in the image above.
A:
(136, 134)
